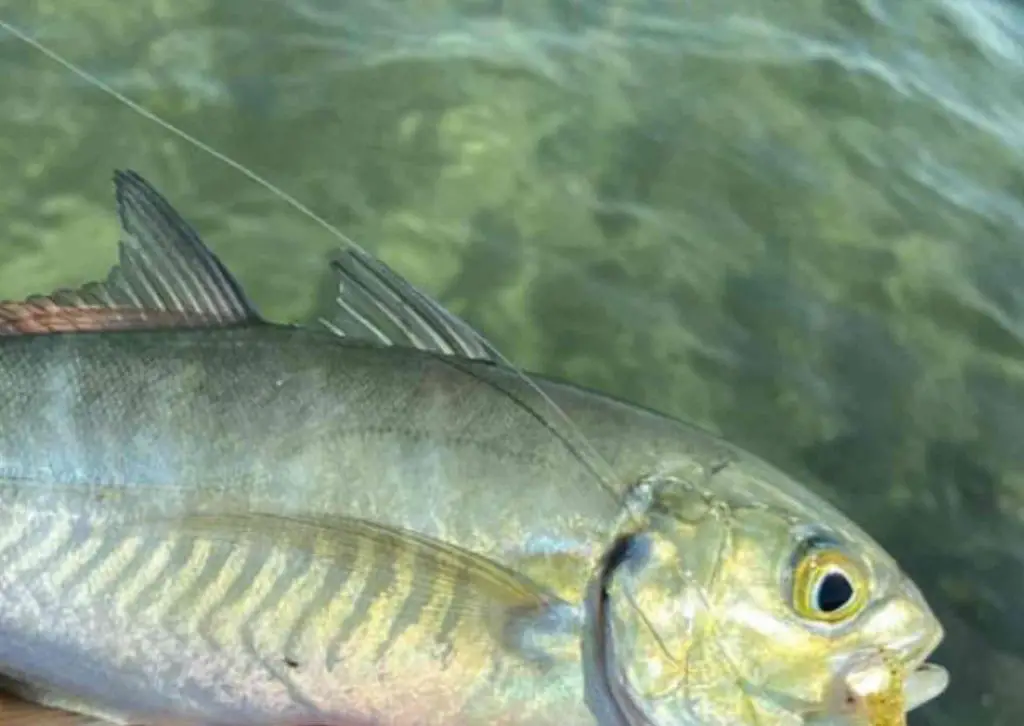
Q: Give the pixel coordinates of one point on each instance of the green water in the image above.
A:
(797, 222)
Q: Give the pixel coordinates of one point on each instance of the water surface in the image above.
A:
(795, 222)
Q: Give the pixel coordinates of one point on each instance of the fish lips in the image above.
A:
(912, 680)
(926, 683)
(865, 672)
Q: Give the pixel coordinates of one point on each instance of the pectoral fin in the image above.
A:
(517, 612)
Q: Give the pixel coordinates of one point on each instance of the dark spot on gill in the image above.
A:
(621, 551)
(605, 694)
(291, 662)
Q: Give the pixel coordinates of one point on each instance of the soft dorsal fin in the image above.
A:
(374, 304)
(165, 278)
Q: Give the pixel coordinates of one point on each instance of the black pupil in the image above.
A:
(835, 591)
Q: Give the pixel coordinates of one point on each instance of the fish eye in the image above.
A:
(828, 585)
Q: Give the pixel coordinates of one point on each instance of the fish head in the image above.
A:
(745, 603)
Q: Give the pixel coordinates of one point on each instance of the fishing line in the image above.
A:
(588, 455)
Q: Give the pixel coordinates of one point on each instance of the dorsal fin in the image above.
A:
(374, 304)
(165, 278)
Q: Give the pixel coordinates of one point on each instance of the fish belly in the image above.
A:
(142, 627)
(96, 432)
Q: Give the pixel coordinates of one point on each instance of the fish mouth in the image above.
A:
(898, 672)
(880, 688)
(925, 683)
(922, 681)
(880, 685)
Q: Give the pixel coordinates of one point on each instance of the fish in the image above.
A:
(372, 518)
(15, 712)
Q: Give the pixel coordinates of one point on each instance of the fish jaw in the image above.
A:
(879, 686)
(880, 689)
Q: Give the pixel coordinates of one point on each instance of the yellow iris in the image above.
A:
(828, 586)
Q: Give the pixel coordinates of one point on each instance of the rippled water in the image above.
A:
(797, 222)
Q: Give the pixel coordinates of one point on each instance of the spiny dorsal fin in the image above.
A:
(375, 304)
(165, 278)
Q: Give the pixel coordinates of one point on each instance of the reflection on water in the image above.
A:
(795, 222)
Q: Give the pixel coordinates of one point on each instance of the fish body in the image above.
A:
(211, 518)
(115, 429)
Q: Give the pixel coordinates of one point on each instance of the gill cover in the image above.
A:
(716, 610)
(650, 651)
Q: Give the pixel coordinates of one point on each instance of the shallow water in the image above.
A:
(796, 222)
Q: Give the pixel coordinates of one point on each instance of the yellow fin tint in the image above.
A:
(498, 604)
(340, 538)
